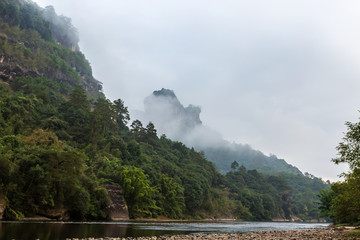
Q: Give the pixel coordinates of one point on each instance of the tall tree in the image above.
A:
(122, 114)
(103, 118)
(137, 192)
(78, 99)
(345, 208)
(137, 130)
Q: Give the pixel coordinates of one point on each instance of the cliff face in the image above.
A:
(117, 210)
(2, 208)
(169, 115)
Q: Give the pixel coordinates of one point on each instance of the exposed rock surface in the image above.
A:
(117, 210)
(7, 73)
(169, 116)
(2, 208)
(57, 214)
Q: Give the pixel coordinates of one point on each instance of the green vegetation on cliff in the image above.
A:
(61, 141)
(27, 47)
(58, 153)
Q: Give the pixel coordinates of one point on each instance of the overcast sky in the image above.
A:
(280, 75)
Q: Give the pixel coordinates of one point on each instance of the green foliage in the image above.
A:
(46, 173)
(344, 208)
(349, 149)
(121, 114)
(82, 145)
(304, 194)
(171, 198)
(224, 156)
(137, 192)
(61, 28)
(340, 202)
(262, 196)
(30, 49)
(58, 148)
(234, 165)
(27, 15)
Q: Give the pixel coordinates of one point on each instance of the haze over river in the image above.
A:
(63, 230)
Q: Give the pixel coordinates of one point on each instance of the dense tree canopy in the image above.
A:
(340, 203)
(57, 153)
(61, 141)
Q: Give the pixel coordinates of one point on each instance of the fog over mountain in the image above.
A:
(183, 124)
(178, 122)
(280, 75)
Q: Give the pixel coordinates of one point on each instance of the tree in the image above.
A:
(325, 201)
(79, 100)
(137, 130)
(48, 174)
(172, 197)
(344, 205)
(122, 114)
(138, 193)
(234, 165)
(103, 118)
(150, 134)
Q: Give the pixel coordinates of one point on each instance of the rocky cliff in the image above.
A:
(118, 210)
(2, 208)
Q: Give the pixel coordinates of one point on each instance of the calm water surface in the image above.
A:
(63, 230)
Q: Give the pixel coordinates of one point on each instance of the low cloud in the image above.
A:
(279, 75)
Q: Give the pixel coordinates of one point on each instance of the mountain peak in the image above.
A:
(169, 116)
(165, 92)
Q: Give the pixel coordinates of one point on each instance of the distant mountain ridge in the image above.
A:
(183, 124)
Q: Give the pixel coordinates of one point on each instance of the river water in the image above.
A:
(63, 230)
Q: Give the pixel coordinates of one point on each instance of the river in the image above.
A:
(63, 230)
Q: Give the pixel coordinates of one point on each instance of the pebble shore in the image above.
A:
(263, 235)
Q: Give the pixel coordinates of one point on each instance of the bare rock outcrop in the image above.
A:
(2, 208)
(57, 214)
(118, 211)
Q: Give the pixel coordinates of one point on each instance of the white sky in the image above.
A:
(280, 75)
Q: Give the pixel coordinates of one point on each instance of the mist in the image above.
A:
(177, 122)
(62, 29)
(183, 124)
(279, 75)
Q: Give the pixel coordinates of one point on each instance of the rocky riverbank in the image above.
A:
(263, 235)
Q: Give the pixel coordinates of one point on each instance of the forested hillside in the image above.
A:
(61, 141)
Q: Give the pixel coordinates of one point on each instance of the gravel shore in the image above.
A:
(267, 235)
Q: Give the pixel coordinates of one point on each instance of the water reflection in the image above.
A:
(63, 230)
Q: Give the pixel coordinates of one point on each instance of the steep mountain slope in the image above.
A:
(66, 151)
(30, 45)
(183, 124)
